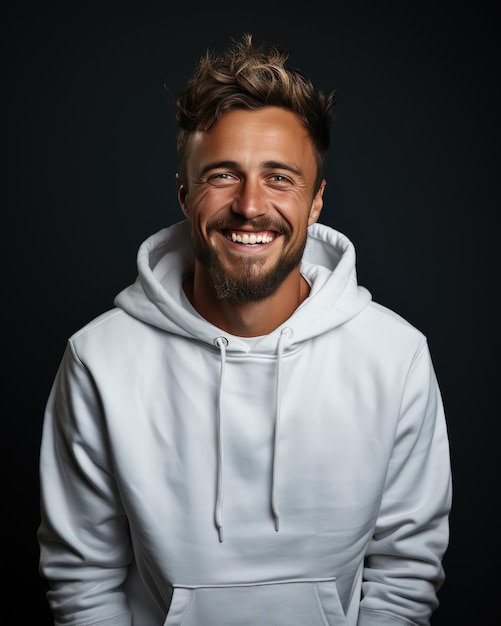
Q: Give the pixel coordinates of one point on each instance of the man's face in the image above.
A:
(249, 195)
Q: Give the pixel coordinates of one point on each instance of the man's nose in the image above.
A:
(250, 199)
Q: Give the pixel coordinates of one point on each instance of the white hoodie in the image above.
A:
(194, 478)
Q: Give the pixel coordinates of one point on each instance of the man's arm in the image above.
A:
(83, 535)
(403, 570)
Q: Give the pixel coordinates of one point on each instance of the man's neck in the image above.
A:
(246, 320)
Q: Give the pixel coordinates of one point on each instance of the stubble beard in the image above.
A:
(245, 281)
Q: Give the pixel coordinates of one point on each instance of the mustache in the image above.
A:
(241, 223)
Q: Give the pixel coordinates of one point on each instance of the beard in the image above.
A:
(245, 281)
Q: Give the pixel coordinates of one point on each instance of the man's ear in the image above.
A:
(317, 204)
(181, 195)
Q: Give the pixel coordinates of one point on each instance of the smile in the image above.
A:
(250, 238)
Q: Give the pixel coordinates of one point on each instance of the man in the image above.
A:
(246, 438)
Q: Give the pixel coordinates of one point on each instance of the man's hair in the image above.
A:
(245, 76)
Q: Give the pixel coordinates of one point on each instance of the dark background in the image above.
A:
(89, 164)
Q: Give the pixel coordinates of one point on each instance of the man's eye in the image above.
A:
(220, 175)
(279, 178)
(220, 178)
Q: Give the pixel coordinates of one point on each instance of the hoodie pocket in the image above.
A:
(288, 603)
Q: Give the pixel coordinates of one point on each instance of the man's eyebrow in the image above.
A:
(278, 165)
(216, 165)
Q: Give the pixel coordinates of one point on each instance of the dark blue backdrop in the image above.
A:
(89, 166)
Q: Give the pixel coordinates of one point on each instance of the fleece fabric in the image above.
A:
(190, 477)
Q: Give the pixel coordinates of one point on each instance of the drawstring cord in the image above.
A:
(285, 334)
(221, 343)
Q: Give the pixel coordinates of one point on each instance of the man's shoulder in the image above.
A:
(108, 328)
(387, 327)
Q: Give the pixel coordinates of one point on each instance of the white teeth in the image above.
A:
(251, 239)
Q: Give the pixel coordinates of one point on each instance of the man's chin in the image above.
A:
(250, 284)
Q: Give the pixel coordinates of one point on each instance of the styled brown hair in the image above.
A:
(245, 76)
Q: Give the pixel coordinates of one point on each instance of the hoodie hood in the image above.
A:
(165, 258)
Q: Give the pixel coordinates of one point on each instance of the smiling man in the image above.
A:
(246, 438)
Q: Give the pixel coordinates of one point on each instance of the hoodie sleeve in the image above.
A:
(83, 535)
(403, 569)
